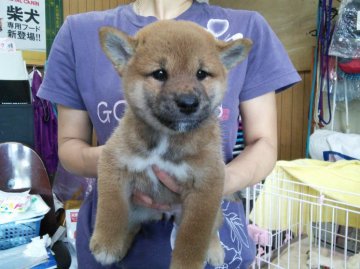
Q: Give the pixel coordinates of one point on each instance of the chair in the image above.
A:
(21, 169)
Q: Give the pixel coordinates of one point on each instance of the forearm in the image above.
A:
(259, 156)
(251, 166)
(79, 157)
(74, 139)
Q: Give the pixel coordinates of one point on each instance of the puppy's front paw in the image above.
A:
(215, 254)
(106, 251)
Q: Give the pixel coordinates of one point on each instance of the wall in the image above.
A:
(292, 108)
(292, 23)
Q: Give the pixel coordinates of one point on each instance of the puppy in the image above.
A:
(174, 78)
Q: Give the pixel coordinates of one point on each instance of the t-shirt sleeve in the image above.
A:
(269, 67)
(60, 85)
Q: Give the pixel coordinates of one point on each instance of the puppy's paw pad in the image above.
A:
(216, 255)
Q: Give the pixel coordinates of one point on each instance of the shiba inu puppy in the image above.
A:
(174, 78)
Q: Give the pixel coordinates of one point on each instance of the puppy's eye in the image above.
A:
(201, 74)
(160, 75)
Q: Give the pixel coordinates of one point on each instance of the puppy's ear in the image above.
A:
(118, 46)
(233, 52)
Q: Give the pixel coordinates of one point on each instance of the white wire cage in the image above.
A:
(300, 224)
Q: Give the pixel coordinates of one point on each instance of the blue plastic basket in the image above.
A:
(18, 233)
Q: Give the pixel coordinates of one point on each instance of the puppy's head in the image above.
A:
(174, 73)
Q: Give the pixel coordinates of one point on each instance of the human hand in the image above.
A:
(146, 201)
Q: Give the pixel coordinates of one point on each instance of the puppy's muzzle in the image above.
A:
(187, 103)
(182, 112)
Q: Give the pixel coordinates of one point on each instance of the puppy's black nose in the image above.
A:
(187, 103)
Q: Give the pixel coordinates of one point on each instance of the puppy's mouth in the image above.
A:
(182, 112)
(182, 125)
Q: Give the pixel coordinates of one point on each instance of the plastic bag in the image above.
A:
(25, 256)
(347, 87)
(71, 222)
(67, 186)
(346, 37)
(325, 143)
(32, 206)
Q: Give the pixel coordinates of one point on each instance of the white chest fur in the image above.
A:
(136, 163)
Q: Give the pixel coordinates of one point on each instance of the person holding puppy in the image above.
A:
(87, 91)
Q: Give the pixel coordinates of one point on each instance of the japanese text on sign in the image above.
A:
(24, 21)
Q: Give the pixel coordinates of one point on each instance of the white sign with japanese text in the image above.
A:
(24, 22)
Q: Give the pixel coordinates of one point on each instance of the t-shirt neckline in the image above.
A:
(141, 21)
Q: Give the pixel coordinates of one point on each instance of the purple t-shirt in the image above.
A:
(80, 76)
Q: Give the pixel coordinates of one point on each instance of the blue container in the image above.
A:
(18, 233)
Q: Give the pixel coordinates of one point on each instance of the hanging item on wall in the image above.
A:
(345, 42)
(339, 77)
(348, 80)
(345, 45)
(45, 125)
(325, 62)
(339, 71)
(24, 22)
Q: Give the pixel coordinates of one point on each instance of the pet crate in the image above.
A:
(306, 214)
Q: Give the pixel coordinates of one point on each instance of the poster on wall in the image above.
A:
(24, 22)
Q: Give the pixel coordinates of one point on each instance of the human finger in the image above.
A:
(166, 179)
(142, 199)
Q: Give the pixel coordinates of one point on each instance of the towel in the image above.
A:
(305, 192)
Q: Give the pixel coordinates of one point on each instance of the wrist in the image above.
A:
(235, 179)
(90, 157)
